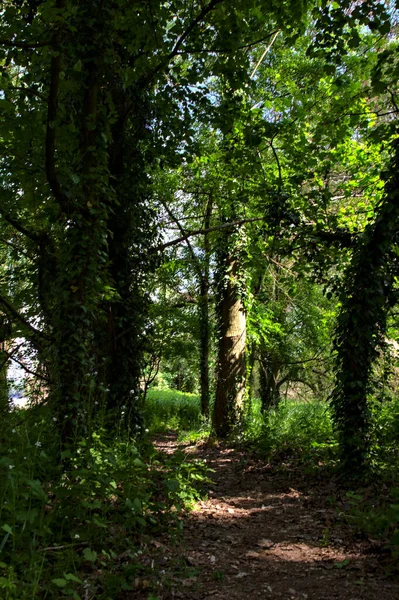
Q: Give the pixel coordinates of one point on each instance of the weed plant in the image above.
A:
(71, 524)
(293, 430)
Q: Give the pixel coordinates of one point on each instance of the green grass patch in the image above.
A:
(169, 409)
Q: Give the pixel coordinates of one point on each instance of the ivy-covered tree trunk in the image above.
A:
(231, 371)
(268, 379)
(203, 304)
(366, 298)
(82, 271)
(130, 229)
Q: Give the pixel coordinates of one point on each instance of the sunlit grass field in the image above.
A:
(296, 430)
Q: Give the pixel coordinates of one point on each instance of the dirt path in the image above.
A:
(266, 533)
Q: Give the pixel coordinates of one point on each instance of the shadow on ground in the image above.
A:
(267, 533)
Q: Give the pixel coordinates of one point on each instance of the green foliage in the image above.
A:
(377, 517)
(303, 431)
(294, 431)
(60, 526)
(172, 410)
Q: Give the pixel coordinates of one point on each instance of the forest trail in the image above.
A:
(265, 533)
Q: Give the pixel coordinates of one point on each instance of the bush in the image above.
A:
(73, 522)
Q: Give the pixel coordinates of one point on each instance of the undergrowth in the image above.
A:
(295, 431)
(292, 431)
(72, 525)
(173, 410)
(302, 434)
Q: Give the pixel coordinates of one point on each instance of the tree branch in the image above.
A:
(28, 90)
(204, 231)
(226, 50)
(17, 315)
(19, 227)
(204, 12)
(185, 238)
(11, 245)
(21, 364)
(23, 45)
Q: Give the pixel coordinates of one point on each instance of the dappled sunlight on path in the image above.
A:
(268, 533)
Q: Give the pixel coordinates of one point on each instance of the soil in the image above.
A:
(266, 531)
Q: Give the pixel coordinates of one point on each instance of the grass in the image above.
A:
(171, 409)
(300, 431)
(294, 430)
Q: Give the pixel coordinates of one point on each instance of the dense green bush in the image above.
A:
(294, 430)
(67, 518)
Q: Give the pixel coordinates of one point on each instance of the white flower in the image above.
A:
(146, 430)
(38, 444)
(54, 419)
(10, 466)
(76, 536)
(14, 430)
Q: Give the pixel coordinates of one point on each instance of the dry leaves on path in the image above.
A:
(268, 534)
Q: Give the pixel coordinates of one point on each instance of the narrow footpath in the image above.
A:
(267, 532)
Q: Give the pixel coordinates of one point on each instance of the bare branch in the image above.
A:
(11, 356)
(189, 234)
(185, 237)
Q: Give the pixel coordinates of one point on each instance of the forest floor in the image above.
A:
(265, 531)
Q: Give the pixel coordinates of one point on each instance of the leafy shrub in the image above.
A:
(293, 429)
(73, 522)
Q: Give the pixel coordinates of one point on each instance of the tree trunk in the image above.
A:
(4, 402)
(231, 379)
(204, 320)
(269, 390)
(369, 293)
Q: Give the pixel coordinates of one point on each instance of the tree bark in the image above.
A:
(204, 320)
(4, 402)
(231, 379)
(269, 388)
